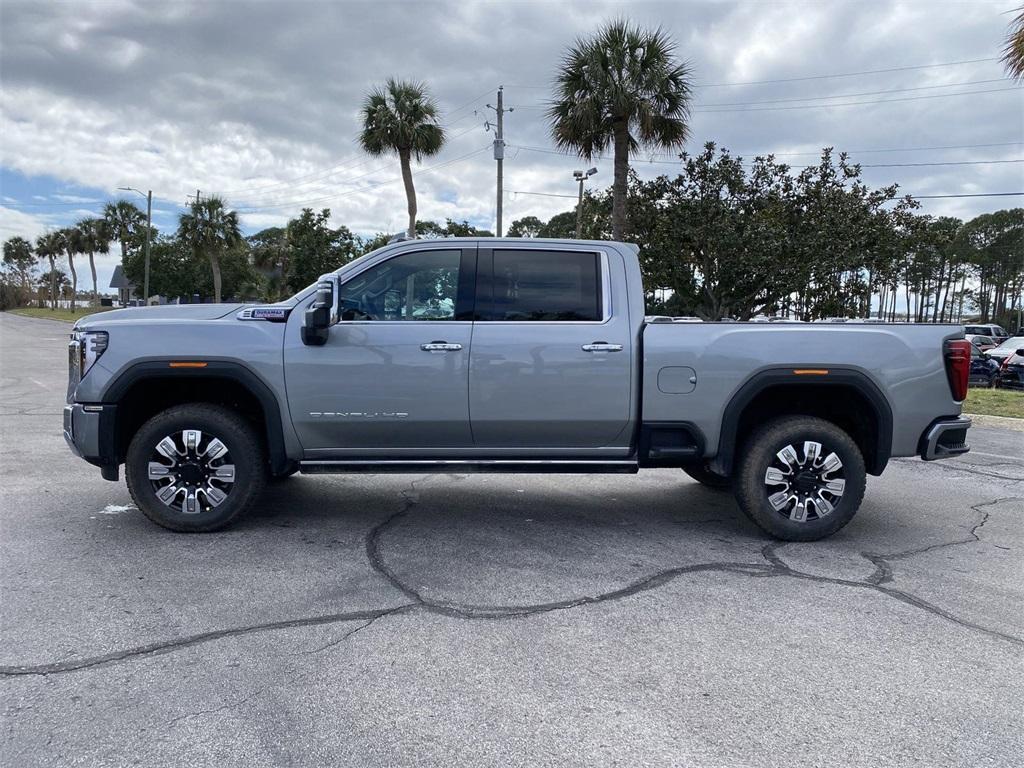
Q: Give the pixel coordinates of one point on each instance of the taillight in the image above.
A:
(958, 367)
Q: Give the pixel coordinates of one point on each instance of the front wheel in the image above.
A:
(800, 478)
(195, 467)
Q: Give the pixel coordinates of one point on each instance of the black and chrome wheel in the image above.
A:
(195, 467)
(800, 478)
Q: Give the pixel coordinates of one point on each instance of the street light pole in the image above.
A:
(149, 229)
(581, 176)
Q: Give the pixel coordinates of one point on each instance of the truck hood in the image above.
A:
(165, 312)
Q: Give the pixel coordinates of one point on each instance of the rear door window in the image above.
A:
(544, 286)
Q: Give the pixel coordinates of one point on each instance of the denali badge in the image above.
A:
(358, 415)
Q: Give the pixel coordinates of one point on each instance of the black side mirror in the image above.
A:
(321, 315)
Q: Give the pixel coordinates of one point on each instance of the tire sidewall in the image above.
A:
(752, 492)
(237, 436)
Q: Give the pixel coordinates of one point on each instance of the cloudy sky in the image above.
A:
(258, 101)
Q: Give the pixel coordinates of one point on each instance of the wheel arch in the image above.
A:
(845, 397)
(147, 388)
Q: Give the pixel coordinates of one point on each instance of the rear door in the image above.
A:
(551, 360)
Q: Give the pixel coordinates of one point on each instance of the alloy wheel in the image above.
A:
(804, 488)
(191, 472)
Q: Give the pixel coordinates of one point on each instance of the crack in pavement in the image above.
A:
(775, 567)
(883, 572)
(948, 466)
(222, 708)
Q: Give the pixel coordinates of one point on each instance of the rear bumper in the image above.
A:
(945, 438)
(89, 433)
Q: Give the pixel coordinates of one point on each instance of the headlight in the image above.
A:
(91, 345)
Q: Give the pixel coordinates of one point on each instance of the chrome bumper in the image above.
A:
(945, 439)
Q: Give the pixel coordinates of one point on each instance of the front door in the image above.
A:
(551, 363)
(394, 373)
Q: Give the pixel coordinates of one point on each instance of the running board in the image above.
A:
(460, 466)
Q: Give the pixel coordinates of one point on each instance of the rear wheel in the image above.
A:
(705, 476)
(195, 467)
(800, 478)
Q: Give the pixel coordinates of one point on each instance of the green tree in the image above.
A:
(314, 248)
(20, 259)
(622, 88)
(50, 247)
(450, 229)
(994, 244)
(93, 236)
(126, 224)
(270, 252)
(1013, 53)
(71, 241)
(210, 230)
(528, 226)
(402, 118)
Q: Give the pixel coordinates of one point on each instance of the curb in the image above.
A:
(1001, 422)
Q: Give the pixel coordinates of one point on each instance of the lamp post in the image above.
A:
(149, 228)
(581, 176)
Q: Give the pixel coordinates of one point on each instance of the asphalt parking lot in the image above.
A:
(501, 620)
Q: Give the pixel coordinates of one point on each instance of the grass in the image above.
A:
(58, 314)
(995, 402)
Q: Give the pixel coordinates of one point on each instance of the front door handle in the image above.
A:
(602, 346)
(440, 346)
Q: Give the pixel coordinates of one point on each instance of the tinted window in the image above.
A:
(416, 286)
(546, 285)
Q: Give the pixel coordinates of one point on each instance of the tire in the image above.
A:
(705, 476)
(223, 480)
(800, 479)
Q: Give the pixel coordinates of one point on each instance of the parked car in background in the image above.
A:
(1011, 372)
(984, 343)
(1006, 349)
(995, 332)
(984, 370)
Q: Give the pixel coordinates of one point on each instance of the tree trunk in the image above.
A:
(215, 266)
(92, 266)
(53, 283)
(74, 280)
(410, 190)
(621, 180)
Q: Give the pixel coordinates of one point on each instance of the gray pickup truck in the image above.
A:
(503, 355)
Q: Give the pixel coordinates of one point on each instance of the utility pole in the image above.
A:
(149, 233)
(499, 149)
(581, 176)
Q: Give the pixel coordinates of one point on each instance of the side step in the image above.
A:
(459, 466)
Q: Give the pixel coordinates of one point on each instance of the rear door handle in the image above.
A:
(440, 346)
(602, 346)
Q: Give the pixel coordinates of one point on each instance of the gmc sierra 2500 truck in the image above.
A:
(503, 355)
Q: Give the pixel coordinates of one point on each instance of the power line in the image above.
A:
(855, 95)
(974, 194)
(813, 77)
(677, 161)
(853, 74)
(540, 194)
(861, 103)
(373, 185)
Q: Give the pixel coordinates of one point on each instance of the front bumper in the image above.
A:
(945, 438)
(89, 433)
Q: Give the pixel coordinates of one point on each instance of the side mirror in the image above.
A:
(322, 313)
(1020, 352)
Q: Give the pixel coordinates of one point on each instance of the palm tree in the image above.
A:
(622, 88)
(93, 237)
(124, 221)
(402, 118)
(71, 241)
(209, 228)
(1013, 53)
(50, 246)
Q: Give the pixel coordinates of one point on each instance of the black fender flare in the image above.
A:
(211, 369)
(762, 380)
